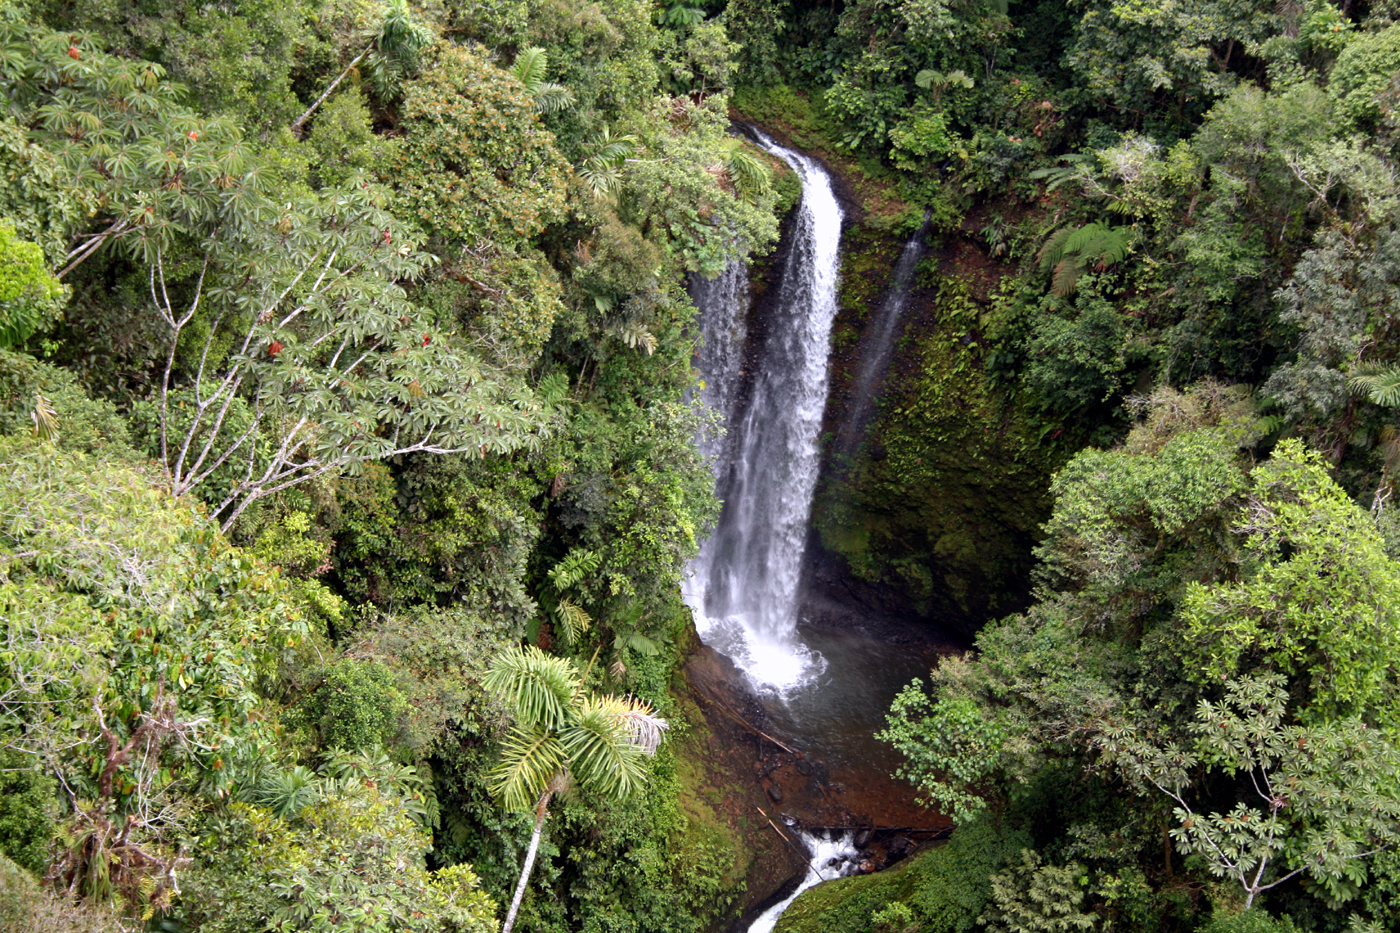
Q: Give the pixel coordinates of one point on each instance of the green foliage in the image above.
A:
(1035, 897)
(37, 195)
(1323, 799)
(1162, 56)
(1362, 73)
(479, 169)
(349, 858)
(128, 624)
(80, 423)
(950, 748)
(358, 706)
(30, 298)
(1313, 599)
(477, 164)
(26, 813)
(343, 145)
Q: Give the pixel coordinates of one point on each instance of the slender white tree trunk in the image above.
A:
(301, 120)
(541, 811)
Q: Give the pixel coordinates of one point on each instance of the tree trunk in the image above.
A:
(301, 120)
(541, 811)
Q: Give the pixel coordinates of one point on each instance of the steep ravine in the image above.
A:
(915, 522)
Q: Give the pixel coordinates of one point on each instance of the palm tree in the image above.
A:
(563, 733)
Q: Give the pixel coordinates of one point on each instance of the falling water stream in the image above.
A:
(830, 859)
(743, 586)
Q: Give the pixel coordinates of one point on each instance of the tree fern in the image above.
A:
(1380, 385)
(1074, 168)
(1068, 253)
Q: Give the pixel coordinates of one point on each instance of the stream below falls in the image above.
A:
(823, 690)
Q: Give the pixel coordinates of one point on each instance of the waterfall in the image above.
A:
(743, 585)
(831, 858)
(878, 345)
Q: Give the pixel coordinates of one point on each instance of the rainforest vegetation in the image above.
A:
(347, 427)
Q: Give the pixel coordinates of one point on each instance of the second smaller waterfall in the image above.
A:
(878, 345)
(831, 859)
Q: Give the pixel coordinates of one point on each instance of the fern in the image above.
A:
(1056, 175)
(1070, 252)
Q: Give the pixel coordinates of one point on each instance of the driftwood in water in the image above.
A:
(748, 725)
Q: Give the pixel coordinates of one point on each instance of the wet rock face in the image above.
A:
(935, 513)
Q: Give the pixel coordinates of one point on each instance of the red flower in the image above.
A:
(194, 135)
(274, 348)
(425, 340)
(73, 52)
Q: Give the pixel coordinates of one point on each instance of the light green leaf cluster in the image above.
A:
(1318, 597)
(952, 749)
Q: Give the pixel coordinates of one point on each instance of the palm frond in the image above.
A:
(748, 172)
(531, 760)
(45, 420)
(285, 793)
(552, 98)
(645, 729)
(539, 687)
(573, 619)
(1380, 385)
(601, 752)
(574, 568)
(529, 68)
(601, 176)
(635, 334)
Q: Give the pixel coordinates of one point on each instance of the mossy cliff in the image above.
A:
(936, 513)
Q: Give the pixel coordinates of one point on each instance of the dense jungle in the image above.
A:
(357, 457)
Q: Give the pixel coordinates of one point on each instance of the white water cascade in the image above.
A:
(743, 585)
(831, 859)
